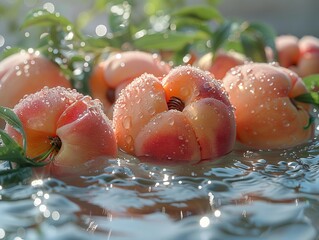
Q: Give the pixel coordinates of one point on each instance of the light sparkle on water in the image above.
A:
(204, 222)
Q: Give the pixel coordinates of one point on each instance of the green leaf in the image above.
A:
(44, 18)
(222, 34)
(266, 33)
(311, 98)
(11, 118)
(312, 82)
(186, 23)
(253, 46)
(10, 150)
(97, 42)
(203, 13)
(9, 51)
(166, 41)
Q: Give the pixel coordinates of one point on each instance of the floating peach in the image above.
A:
(72, 125)
(112, 75)
(219, 64)
(24, 73)
(267, 116)
(186, 116)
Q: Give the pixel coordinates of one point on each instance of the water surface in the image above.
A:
(244, 195)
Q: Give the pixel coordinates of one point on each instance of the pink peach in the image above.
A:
(73, 124)
(119, 69)
(220, 63)
(186, 116)
(24, 73)
(267, 116)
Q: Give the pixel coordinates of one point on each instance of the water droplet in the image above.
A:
(129, 139)
(185, 91)
(127, 123)
(171, 121)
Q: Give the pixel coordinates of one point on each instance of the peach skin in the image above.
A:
(221, 63)
(267, 116)
(110, 76)
(185, 117)
(24, 73)
(300, 55)
(73, 126)
(288, 50)
(309, 56)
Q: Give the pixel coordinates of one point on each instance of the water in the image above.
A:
(244, 195)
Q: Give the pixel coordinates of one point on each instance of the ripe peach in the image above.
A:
(267, 116)
(288, 50)
(112, 75)
(219, 64)
(186, 116)
(24, 73)
(63, 119)
(309, 56)
(300, 55)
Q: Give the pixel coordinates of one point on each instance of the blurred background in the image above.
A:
(285, 16)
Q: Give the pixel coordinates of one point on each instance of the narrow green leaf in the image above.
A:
(98, 42)
(310, 122)
(44, 18)
(222, 34)
(11, 118)
(266, 33)
(203, 13)
(311, 98)
(186, 24)
(166, 41)
(10, 150)
(253, 47)
(9, 51)
(312, 82)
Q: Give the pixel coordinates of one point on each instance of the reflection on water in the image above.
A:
(245, 195)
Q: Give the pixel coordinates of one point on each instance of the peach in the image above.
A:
(288, 50)
(300, 55)
(112, 75)
(72, 125)
(220, 63)
(185, 117)
(309, 56)
(267, 116)
(24, 73)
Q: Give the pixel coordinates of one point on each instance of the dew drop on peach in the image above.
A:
(127, 122)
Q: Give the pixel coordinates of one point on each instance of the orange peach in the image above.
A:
(300, 55)
(112, 75)
(309, 56)
(267, 116)
(288, 50)
(219, 64)
(186, 116)
(24, 73)
(71, 124)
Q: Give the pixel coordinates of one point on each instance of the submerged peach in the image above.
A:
(267, 116)
(112, 75)
(185, 117)
(74, 125)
